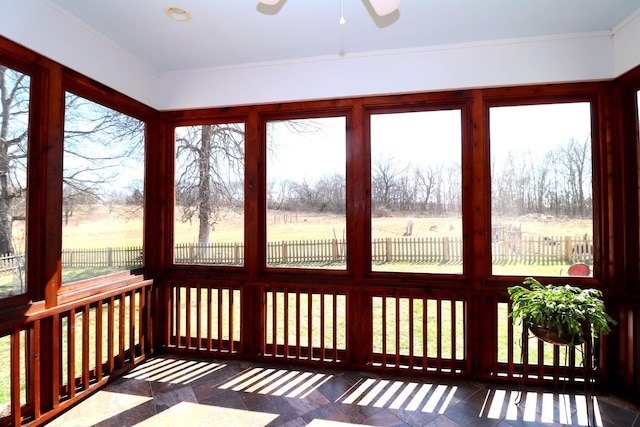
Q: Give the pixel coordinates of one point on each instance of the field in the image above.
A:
(98, 227)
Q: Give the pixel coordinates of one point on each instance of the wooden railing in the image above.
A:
(59, 355)
(405, 330)
(414, 330)
(304, 323)
(204, 318)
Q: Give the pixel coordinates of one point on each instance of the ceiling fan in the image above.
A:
(381, 8)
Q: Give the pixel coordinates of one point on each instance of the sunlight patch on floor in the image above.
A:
(378, 393)
(194, 414)
(276, 382)
(95, 410)
(173, 371)
(549, 408)
(325, 423)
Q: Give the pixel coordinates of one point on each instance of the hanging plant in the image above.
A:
(564, 312)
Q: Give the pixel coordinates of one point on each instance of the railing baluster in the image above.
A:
(411, 333)
(132, 325)
(198, 317)
(111, 335)
(33, 370)
(178, 315)
(209, 319)
(71, 353)
(98, 355)
(397, 332)
(86, 376)
(274, 322)
(309, 325)
(439, 333)
(384, 330)
(453, 334)
(286, 322)
(298, 337)
(322, 325)
(15, 375)
(121, 328)
(187, 316)
(231, 320)
(334, 320)
(425, 333)
(142, 309)
(220, 318)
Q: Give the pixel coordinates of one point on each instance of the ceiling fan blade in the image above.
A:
(384, 7)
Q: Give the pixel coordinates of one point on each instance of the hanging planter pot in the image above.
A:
(552, 336)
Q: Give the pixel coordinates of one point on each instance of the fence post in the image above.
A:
(334, 249)
(388, 253)
(446, 250)
(568, 248)
(109, 257)
(236, 253)
(284, 252)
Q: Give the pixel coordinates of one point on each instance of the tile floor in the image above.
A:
(168, 391)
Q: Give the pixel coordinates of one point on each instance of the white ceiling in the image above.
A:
(227, 33)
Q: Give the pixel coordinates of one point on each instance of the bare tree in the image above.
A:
(385, 179)
(14, 99)
(427, 179)
(541, 184)
(209, 173)
(452, 184)
(103, 149)
(574, 161)
(510, 183)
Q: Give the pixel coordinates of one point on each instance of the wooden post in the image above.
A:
(359, 322)
(388, 250)
(446, 250)
(285, 257)
(568, 248)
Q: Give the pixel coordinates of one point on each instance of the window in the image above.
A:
(103, 184)
(541, 189)
(416, 192)
(14, 125)
(306, 193)
(209, 194)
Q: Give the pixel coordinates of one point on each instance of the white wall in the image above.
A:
(57, 36)
(627, 44)
(502, 63)
(51, 32)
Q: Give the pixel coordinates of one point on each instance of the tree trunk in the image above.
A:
(204, 188)
(6, 221)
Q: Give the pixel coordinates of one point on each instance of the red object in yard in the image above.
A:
(579, 269)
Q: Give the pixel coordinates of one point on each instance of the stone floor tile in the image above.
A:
(195, 392)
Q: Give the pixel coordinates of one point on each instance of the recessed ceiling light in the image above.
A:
(177, 13)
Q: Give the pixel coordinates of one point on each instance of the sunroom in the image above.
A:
(248, 183)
